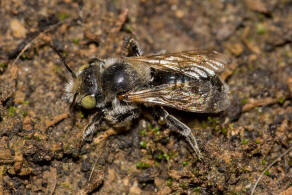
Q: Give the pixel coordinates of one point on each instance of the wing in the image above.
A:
(195, 64)
(204, 95)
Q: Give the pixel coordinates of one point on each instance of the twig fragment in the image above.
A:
(268, 167)
(255, 103)
(56, 119)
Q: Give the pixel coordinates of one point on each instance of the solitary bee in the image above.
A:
(116, 87)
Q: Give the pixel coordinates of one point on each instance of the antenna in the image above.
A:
(63, 60)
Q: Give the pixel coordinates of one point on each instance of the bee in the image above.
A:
(116, 88)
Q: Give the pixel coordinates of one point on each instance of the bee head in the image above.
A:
(85, 89)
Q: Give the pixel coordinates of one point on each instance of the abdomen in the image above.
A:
(162, 77)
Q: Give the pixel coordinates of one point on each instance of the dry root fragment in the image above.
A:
(120, 21)
(287, 192)
(255, 103)
(290, 85)
(101, 138)
(258, 6)
(268, 167)
(2, 168)
(56, 120)
(53, 180)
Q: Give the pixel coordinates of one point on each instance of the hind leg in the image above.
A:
(182, 129)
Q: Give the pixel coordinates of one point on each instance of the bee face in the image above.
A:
(85, 90)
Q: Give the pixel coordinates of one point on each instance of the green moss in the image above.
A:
(160, 156)
(166, 156)
(12, 111)
(197, 189)
(264, 162)
(156, 129)
(26, 102)
(63, 16)
(142, 165)
(244, 101)
(169, 182)
(185, 163)
(157, 133)
(204, 124)
(76, 41)
(23, 57)
(214, 122)
(281, 100)
(267, 173)
(23, 113)
(143, 144)
(65, 185)
(183, 186)
(224, 131)
(244, 141)
(142, 132)
(261, 29)
(3, 65)
(149, 126)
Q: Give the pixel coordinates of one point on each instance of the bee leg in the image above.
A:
(91, 129)
(179, 127)
(133, 47)
(73, 103)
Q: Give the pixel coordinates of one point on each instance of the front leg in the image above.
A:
(179, 127)
(91, 129)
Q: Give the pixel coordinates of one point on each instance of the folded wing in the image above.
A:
(202, 96)
(195, 64)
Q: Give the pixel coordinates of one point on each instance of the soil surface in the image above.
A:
(40, 151)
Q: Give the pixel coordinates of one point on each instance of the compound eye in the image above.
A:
(88, 102)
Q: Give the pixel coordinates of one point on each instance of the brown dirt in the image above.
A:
(39, 140)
